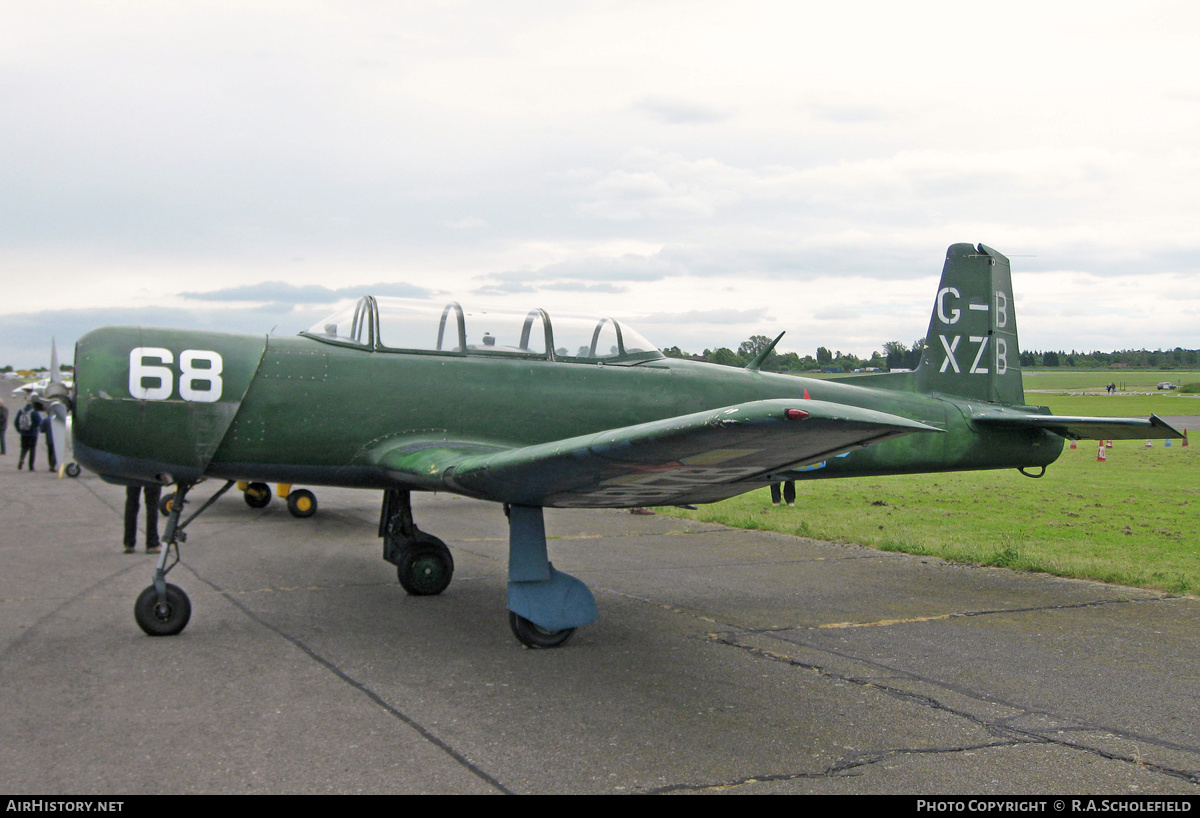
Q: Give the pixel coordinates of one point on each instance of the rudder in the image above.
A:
(971, 348)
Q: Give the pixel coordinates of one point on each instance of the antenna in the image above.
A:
(762, 356)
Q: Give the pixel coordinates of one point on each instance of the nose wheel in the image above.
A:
(165, 617)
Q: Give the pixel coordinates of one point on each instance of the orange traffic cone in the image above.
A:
(1073, 446)
(1108, 444)
(1101, 455)
(1148, 443)
(1185, 437)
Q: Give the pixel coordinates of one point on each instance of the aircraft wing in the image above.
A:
(1085, 428)
(696, 458)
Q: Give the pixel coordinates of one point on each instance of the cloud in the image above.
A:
(675, 111)
(850, 114)
(588, 274)
(835, 315)
(582, 287)
(623, 154)
(280, 292)
(25, 338)
(720, 316)
(470, 223)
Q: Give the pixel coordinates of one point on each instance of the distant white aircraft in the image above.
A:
(53, 394)
(37, 388)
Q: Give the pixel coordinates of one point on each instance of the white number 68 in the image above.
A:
(196, 383)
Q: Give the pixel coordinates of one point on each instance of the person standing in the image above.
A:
(49, 436)
(132, 494)
(789, 492)
(3, 428)
(27, 422)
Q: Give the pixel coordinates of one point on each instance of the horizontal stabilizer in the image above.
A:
(696, 458)
(1085, 428)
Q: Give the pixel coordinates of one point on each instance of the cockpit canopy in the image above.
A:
(407, 325)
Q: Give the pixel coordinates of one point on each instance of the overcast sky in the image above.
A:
(706, 170)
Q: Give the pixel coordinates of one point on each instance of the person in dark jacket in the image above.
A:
(3, 428)
(27, 421)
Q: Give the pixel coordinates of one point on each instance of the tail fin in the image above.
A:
(971, 348)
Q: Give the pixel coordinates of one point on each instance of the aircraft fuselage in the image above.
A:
(172, 405)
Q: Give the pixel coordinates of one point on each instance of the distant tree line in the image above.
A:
(1177, 358)
(898, 355)
(825, 359)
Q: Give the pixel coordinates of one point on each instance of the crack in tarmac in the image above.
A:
(840, 769)
(1012, 736)
(361, 687)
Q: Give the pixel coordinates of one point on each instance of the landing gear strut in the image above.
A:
(423, 562)
(545, 606)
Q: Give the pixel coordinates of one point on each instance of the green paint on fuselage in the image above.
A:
(311, 408)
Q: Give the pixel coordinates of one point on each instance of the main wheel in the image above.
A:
(425, 568)
(166, 619)
(535, 636)
(257, 495)
(302, 503)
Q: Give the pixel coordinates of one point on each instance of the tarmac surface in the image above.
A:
(724, 661)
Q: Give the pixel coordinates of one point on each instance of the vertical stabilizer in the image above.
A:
(971, 348)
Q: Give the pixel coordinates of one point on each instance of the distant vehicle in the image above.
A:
(1167, 385)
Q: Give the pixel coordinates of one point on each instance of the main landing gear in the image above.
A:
(545, 605)
(423, 562)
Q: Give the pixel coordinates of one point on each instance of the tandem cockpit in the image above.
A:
(411, 326)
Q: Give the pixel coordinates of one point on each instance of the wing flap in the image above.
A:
(699, 457)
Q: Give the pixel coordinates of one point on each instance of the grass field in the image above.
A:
(1131, 520)
(1094, 380)
(1120, 405)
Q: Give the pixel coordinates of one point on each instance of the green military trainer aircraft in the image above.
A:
(534, 412)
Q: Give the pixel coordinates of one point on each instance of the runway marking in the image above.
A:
(883, 622)
(958, 614)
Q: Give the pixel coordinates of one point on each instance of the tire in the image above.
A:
(165, 503)
(425, 569)
(302, 503)
(168, 621)
(534, 636)
(73, 470)
(257, 495)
